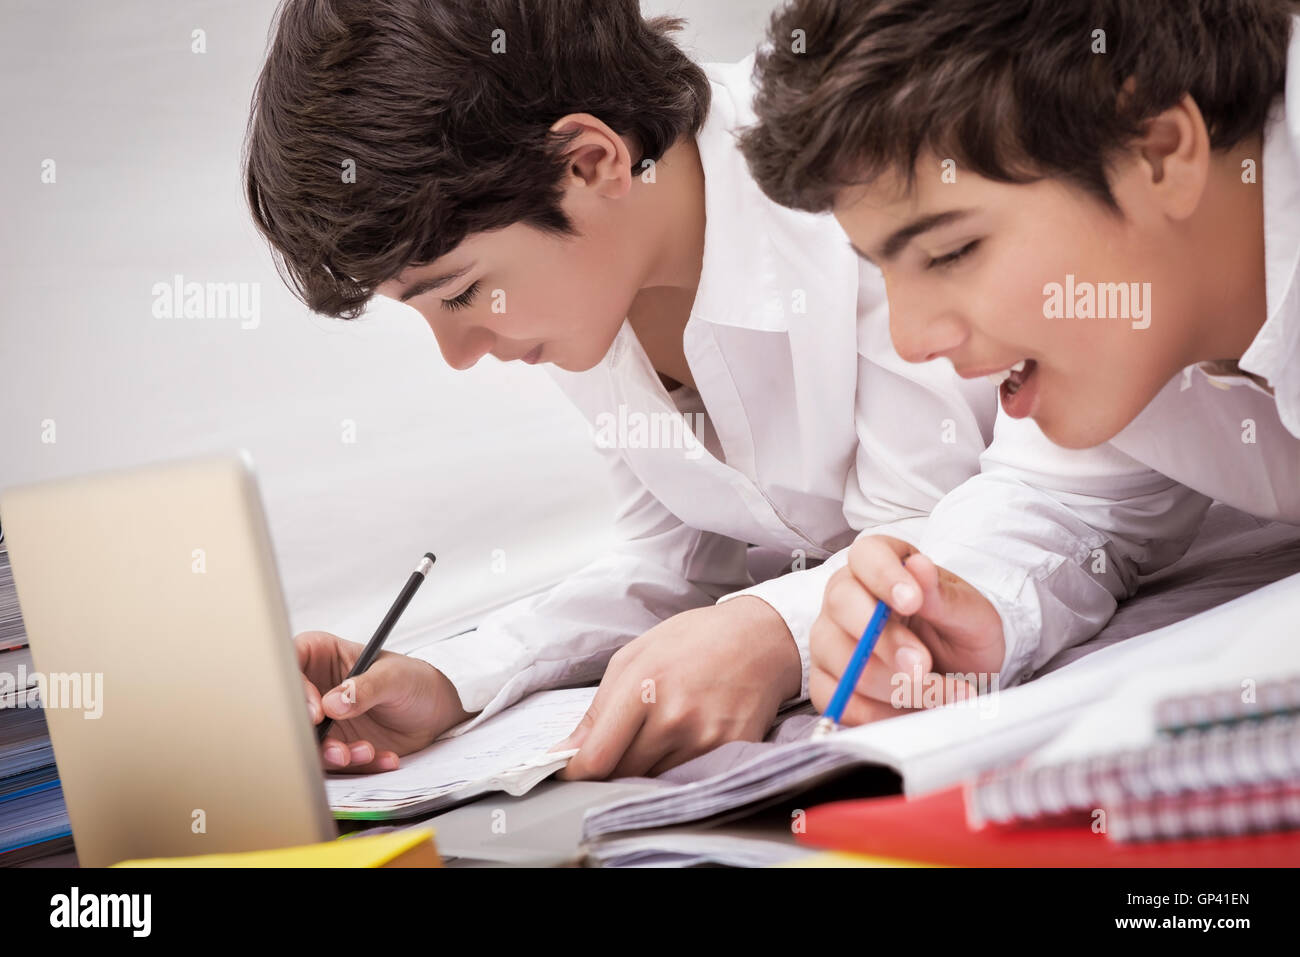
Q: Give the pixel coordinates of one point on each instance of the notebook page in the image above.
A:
(938, 747)
(1256, 641)
(507, 750)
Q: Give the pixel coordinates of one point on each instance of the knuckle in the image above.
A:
(600, 760)
(839, 575)
(863, 545)
(312, 639)
(673, 717)
(619, 658)
(840, 597)
(869, 548)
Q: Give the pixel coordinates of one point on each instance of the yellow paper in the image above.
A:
(349, 852)
(847, 859)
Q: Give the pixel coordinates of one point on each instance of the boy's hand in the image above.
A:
(940, 626)
(698, 680)
(399, 705)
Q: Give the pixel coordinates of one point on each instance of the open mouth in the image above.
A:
(1018, 388)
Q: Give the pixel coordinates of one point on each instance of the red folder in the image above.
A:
(932, 829)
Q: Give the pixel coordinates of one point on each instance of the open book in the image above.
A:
(943, 746)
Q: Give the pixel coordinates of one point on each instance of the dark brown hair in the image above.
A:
(448, 137)
(1010, 89)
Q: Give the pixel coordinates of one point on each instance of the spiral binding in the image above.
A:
(1178, 714)
(1224, 779)
(1226, 812)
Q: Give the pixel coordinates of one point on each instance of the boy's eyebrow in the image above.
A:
(433, 282)
(898, 239)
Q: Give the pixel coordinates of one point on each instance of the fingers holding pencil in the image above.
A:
(398, 706)
(939, 624)
(369, 706)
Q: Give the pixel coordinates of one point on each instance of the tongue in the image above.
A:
(1016, 379)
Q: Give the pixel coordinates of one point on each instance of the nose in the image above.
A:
(462, 345)
(923, 327)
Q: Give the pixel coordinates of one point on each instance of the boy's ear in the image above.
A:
(597, 157)
(1175, 154)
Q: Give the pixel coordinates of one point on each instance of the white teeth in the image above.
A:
(997, 378)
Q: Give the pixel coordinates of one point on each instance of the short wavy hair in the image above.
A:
(443, 108)
(1014, 90)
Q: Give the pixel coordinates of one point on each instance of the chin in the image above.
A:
(1078, 431)
(586, 356)
(567, 364)
(580, 364)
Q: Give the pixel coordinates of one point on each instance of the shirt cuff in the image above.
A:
(491, 671)
(1044, 607)
(797, 598)
(1006, 586)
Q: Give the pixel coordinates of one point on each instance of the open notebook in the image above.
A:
(507, 752)
(941, 747)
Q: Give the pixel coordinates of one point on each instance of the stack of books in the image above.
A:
(33, 818)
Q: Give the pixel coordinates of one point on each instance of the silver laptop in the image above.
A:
(175, 705)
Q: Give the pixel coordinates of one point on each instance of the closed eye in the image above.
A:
(952, 257)
(463, 300)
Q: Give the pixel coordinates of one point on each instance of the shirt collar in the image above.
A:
(734, 280)
(1274, 354)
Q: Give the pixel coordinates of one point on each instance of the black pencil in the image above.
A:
(376, 642)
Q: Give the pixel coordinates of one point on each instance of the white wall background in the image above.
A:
(145, 135)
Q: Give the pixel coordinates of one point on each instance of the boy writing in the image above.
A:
(557, 183)
(1095, 203)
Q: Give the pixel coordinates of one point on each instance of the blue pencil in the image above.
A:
(849, 680)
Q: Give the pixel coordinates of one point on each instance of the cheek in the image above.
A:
(1005, 303)
(570, 299)
(599, 286)
(1038, 267)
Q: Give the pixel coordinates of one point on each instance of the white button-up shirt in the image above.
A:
(806, 429)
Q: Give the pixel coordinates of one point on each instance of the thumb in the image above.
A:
(353, 697)
(579, 734)
(935, 606)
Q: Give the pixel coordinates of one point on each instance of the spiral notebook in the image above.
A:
(1219, 756)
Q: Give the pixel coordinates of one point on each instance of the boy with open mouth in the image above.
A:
(557, 183)
(1094, 203)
